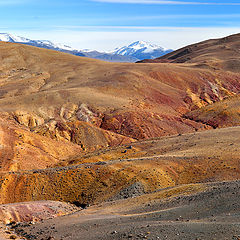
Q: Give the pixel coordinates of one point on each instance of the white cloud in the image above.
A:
(162, 2)
(169, 16)
(128, 28)
(117, 28)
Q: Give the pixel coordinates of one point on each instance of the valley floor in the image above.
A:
(198, 211)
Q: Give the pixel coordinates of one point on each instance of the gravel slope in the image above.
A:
(210, 213)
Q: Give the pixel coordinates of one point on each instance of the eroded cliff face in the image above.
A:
(22, 149)
(219, 114)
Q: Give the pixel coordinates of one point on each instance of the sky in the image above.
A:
(107, 24)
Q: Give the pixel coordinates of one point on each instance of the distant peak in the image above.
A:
(140, 49)
(141, 44)
(138, 43)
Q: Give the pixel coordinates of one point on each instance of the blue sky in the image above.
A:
(106, 24)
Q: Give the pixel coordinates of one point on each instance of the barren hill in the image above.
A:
(94, 104)
(216, 54)
(49, 91)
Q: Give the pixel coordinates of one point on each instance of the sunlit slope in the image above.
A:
(22, 149)
(220, 114)
(148, 166)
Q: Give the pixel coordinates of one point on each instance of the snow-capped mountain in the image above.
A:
(63, 48)
(10, 38)
(134, 52)
(38, 43)
(142, 50)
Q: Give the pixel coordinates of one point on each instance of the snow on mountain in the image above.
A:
(63, 48)
(136, 46)
(142, 50)
(55, 45)
(134, 52)
(44, 43)
(11, 38)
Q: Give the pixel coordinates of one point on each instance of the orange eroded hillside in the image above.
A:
(22, 149)
(219, 114)
(149, 166)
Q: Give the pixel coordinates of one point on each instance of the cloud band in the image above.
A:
(162, 2)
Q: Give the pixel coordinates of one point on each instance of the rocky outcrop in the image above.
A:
(27, 119)
(86, 135)
(23, 149)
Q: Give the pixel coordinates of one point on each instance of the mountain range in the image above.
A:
(136, 51)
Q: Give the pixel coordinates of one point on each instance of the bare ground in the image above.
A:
(210, 213)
